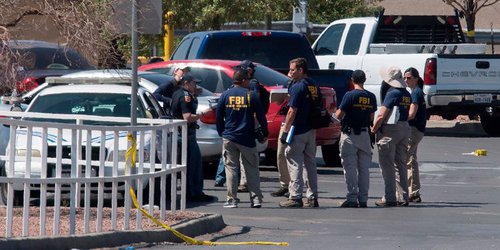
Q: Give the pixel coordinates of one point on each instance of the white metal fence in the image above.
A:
(75, 165)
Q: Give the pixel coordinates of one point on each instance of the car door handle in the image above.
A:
(331, 65)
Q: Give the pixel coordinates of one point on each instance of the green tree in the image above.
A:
(320, 11)
(469, 10)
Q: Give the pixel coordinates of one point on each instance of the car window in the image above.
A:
(353, 39)
(269, 77)
(157, 79)
(209, 79)
(329, 42)
(51, 58)
(151, 100)
(101, 104)
(165, 70)
(182, 50)
(272, 51)
(194, 48)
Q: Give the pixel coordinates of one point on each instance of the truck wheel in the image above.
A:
(331, 155)
(270, 155)
(491, 125)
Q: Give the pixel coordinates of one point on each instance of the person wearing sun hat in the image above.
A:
(392, 137)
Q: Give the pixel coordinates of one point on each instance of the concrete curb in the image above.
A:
(206, 224)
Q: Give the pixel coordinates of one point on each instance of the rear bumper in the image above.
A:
(460, 104)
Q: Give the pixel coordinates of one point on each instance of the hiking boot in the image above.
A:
(280, 192)
(311, 202)
(347, 203)
(231, 203)
(416, 199)
(363, 204)
(291, 203)
(242, 189)
(383, 203)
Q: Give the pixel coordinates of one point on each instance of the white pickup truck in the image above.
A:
(459, 78)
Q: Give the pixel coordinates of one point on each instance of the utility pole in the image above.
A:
(299, 21)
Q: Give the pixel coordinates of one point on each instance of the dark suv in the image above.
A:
(40, 59)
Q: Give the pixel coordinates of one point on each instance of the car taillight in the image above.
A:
(26, 84)
(430, 71)
(256, 33)
(208, 117)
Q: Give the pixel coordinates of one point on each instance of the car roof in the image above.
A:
(212, 62)
(240, 32)
(87, 88)
(114, 73)
(20, 44)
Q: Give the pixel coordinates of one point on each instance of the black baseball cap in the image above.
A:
(190, 78)
(246, 64)
(358, 76)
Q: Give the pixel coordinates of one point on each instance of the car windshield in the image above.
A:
(100, 104)
(51, 58)
(269, 77)
(159, 78)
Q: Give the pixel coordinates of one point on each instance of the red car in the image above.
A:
(216, 76)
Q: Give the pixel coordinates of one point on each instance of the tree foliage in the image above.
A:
(469, 10)
(325, 12)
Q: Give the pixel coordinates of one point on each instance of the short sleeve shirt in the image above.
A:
(300, 98)
(401, 98)
(183, 102)
(358, 106)
(420, 120)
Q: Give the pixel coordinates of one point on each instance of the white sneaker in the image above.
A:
(231, 204)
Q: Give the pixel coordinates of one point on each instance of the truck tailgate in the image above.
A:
(475, 73)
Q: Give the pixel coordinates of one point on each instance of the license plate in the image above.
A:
(482, 98)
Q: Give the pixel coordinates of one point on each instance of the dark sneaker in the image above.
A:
(416, 199)
(347, 203)
(291, 203)
(242, 189)
(280, 192)
(218, 184)
(363, 204)
(231, 203)
(256, 203)
(383, 203)
(311, 202)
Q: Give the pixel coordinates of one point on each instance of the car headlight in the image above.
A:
(34, 152)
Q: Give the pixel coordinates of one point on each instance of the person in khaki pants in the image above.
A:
(237, 109)
(300, 151)
(392, 132)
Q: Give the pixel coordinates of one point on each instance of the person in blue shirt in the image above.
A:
(165, 90)
(236, 112)
(417, 119)
(356, 113)
(184, 106)
(300, 151)
(392, 132)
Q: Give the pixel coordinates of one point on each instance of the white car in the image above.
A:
(209, 141)
(82, 99)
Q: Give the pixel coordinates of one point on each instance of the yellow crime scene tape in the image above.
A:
(131, 155)
(477, 152)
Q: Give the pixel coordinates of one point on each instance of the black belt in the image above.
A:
(349, 130)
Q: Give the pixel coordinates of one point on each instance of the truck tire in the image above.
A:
(491, 125)
(331, 155)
